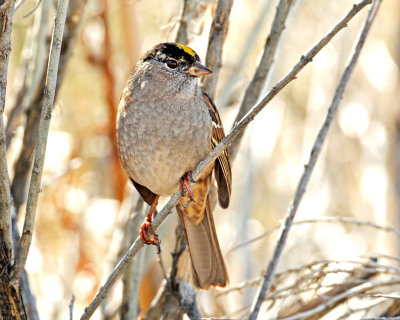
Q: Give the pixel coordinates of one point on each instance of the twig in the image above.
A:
(343, 220)
(380, 295)
(182, 35)
(311, 164)
(203, 165)
(23, 163)
(28, 298)
(31, 72)
(131, 278)
(6, 15)
(357, 277)
(349, 293)
(18, 4)
(255, 87)
(316, 268)
(247, 47)
(71, 308)
(219, 29)
(33, 10)
(37, 170)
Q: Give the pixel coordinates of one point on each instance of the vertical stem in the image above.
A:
(308, 169)
(49, 93)
(255, 87)
(6, 15)
(219, 29)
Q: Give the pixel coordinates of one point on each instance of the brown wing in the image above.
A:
(223, 172)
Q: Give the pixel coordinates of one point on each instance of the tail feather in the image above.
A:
(207, 262)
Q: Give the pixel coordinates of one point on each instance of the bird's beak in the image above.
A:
(198, 70)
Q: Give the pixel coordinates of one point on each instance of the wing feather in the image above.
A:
(223, 171)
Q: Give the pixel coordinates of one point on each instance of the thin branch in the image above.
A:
(33, 10)
(182, 35)
(249, 42)
(316, 269)
(71, 307)
(311, 164)
(37, 170)
(131, 279)
(6, 16)
(18, 4)
(219, 29)
(343, 220)
(349, 293)
(30, 73)
(264, 67)
(24, 160)
(28, 298)
(203, 165)
(379, 295)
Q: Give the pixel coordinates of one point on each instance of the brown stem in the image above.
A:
(218, 32)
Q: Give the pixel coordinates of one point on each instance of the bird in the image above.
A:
(166, 124)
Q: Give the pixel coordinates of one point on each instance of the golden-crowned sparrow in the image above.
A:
(166, 124)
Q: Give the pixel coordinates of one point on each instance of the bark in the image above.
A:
(11, 305)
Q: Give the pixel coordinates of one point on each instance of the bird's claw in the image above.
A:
(189, 193)
(147, 234)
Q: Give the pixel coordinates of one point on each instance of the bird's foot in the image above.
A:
(185, 183)
(146, 233)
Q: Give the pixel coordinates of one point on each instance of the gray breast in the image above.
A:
(160, 140)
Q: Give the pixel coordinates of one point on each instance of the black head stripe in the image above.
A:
(172, 50)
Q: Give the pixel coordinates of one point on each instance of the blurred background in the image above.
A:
(86, 200)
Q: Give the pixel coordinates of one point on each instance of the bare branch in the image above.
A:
(71, 307)
(203, 165)
(264, 67)
(131, 279)
(219, 29)
(23, 163)
(37, 170)
(6, 15)
(311, 164)
(344, 220)
(182, 35)
(30, 73)
(348, 293)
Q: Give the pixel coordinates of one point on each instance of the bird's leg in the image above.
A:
(146, 230)
(185, 182)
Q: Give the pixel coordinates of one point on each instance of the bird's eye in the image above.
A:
(172, 64)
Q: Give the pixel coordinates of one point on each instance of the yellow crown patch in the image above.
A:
(186, 49)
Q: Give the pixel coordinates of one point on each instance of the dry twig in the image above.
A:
(343, 220)
(6, 15)
(219, 29)
(37, 170)
(311, 164)
(337, 298)
(253, 91)
(30, 73)
(23, 163)
(131, 279)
